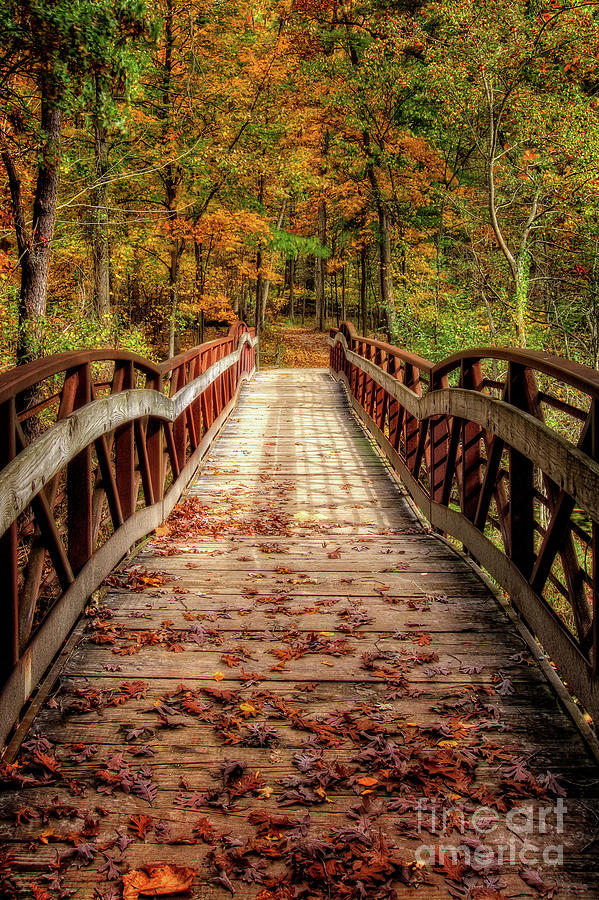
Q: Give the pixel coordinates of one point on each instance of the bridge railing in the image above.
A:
(499, 448)
(95, 450)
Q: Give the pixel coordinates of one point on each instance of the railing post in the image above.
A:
(155, 445)
(124, 445)
(395, 410)
(9, 633)
(471, 379)
(411, 424)
(439, 444)
(79, 486)
(205, 396)
(521, 504)
(179, 380)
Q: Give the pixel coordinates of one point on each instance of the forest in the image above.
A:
(425, 168)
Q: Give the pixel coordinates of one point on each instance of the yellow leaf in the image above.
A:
(265, 793)
(218, 676)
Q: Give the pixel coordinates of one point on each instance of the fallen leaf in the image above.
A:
(157, 880)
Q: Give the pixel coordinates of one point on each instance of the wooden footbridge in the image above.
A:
(301, 685)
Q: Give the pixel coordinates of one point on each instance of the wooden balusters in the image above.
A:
(395, 409)
(155, 446)
(79, 479)
(411, 423)
(439, 445)
(179, 380)
(521, 529)
(471, 379)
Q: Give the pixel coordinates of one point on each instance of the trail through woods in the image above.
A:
(294, 347)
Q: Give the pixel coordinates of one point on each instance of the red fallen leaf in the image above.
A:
(48, 762)
(127, 651)
(157, 880)
(22, 816)
(231, 660)
(134, 689)
(40, 893)
(140, 825)
(423, 639)
(204, 830)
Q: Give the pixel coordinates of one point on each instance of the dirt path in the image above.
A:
(294, 347)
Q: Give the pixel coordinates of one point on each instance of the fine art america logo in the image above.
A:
(490, 838)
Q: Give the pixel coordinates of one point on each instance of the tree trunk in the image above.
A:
(174, 337)
(320, 267)
(363, 304)
(343, 312)
(99, 229)
(291, 290)
(35, 245)
(304, 295)
(171, 178)
(521, 296)
(385, 280)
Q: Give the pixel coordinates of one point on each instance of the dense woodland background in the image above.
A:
(429, 169)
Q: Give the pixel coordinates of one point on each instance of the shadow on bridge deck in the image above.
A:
(293, 688)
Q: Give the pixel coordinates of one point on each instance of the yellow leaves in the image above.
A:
(218, 676)
(265, 793)
(227, 230)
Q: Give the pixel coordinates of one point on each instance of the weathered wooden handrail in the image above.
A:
(508, 464)
(95, 450)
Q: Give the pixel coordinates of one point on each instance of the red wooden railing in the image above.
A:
(499, 448)
(95, 449)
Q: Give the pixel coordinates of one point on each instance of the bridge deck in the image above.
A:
(293, 644)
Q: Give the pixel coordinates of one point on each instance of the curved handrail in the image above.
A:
(567, 371)
(497, 475)
(18, 380)
(405, 355)
(85, 486)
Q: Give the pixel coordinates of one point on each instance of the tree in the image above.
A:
(513, 75)
(53, 54)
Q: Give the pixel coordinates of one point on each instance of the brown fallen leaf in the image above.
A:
(157, 880)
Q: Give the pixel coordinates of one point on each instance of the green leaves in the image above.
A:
(292, 245)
